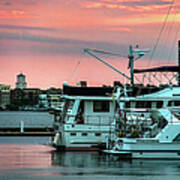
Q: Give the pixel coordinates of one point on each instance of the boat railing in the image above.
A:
(98, 120)
(138, 110)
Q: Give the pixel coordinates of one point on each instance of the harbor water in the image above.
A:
(33, 158)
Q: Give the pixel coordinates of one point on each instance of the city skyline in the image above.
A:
(45, 39)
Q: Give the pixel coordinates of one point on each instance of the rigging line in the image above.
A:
(155, 77)
(149, 78)
(138, 79)
(169, 32)
(168, 78)
(105, 52)
(174, 77)
(143, 77)
(161, 31)
(75, 68)
(175, 37)
(173, 44)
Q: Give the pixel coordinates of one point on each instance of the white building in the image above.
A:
(21, 81)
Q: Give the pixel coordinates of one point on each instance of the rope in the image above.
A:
(174, 42)
(175, 37)
(75, 68)
(107, 53)
(161, 31)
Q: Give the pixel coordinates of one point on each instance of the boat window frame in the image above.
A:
(97, 134)
(84, 134)
(73, 134)
(177, 138)
(101, 106)
(173, 103)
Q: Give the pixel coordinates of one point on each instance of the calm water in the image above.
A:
(31, 158)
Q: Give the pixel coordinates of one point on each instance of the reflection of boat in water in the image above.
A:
(93, 163)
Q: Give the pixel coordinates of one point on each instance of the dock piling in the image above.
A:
(22, 127)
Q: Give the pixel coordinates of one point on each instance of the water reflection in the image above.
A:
(41, 160)
(13, 156)
(87, 163)
(83, 159)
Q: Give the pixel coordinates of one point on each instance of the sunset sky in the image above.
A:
(44, 39)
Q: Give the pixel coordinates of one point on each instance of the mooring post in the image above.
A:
(22, 127)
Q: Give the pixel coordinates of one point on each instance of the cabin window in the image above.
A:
(97, 134)
(68, 106)
(101, 106)
(143, 104)
(84, 134)
(140, 104)
(73, 134)
(148, 104)
(170, 103)
(174, 103)
(127, 104)
(159, 104)
(177, 138)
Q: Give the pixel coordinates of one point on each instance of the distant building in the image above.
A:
(25, 97)
(4, 95)
(53, 90)
(43, 101)
(21, 81)
(50, 98)
(48, 101)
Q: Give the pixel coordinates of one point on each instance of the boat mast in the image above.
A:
(131, 61)
(179, 63)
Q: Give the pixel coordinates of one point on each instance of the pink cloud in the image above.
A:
(119, 29)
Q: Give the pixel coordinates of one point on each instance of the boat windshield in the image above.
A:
(69, 104)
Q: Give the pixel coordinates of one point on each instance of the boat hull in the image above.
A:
(144, 154)
(83, 147)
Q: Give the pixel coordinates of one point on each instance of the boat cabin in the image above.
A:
(87, 110)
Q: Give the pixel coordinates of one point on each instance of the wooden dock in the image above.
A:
(27, 132)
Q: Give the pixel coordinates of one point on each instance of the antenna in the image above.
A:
(140, 53)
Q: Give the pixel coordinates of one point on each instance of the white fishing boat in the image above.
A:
(145, 113)
(148, 126)
(156, 137)
(86, 120)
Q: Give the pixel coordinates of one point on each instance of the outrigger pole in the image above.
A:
(89, 51)
(140, 53)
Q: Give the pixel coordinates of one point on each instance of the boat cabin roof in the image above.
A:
(88, 98)
(167, 93)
